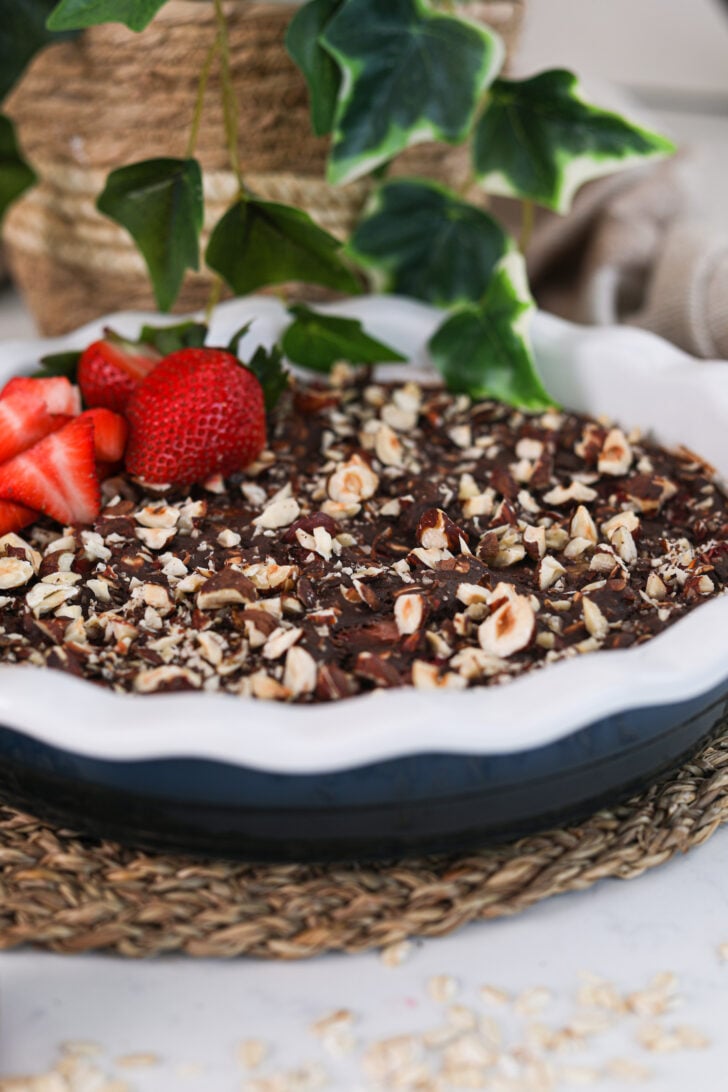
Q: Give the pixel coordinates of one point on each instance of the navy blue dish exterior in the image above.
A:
(413, 805)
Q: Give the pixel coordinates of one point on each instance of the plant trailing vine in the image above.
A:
(382, 75)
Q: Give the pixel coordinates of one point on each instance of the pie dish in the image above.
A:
(406, 769)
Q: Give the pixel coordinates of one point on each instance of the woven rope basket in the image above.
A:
(113, 97)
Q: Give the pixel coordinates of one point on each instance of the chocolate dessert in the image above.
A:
(387, 536)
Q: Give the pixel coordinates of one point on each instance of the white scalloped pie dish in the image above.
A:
(629, 375)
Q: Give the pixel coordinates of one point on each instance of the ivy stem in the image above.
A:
(214, 298)
(200, 100)
(528, 217)
(230, 109)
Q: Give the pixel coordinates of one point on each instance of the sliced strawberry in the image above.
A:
(24, 420)
(110, 433)
(58, 393)
(110, 371)
(108, 470)
(13, 517)
(57, 476)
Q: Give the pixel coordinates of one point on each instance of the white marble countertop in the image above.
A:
(192, 1015)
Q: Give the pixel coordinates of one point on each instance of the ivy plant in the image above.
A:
(382, 75)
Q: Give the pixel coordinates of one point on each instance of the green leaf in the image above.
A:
(170, 339)
(58, 364)
(318, 342)
(15, 174)
(484, 349)
(421, 240)
(259, 243)
(24, 33)
(233, 345)
(539, 139)
(159, 202)
(79, 14)
(267, 366)
(409, 75)
(319, 67)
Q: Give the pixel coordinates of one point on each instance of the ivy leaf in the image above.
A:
(15, 174)
(79, 14)
(259, 243)
(539, 139)
(484, 349)
(409, 74)
(24, 33)
(58, 364)
(159, 202)
(319, 67)
(423, 241)
(318, 342)
(267, 366)
(170, 339)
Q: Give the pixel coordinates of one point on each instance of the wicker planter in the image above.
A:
(113, 97)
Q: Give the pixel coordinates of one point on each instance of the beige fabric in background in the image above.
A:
(634, 248)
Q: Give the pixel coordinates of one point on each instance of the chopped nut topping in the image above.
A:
(14, 573)
(594, 620)
(510, 628)
(354, 481)
(409, 612)
(390, 535)
(280, 513)
(225, 589)
(616, 455)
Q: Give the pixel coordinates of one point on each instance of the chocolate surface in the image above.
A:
(391, 535)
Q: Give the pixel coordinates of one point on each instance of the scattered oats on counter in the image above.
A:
(465, 1046)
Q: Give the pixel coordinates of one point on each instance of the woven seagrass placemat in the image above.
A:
(71, 894)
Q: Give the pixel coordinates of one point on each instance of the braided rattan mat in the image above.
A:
(70, 894)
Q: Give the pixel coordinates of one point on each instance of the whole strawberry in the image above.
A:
(200, 412)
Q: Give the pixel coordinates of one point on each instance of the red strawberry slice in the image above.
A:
(57, 476)
(13, 517)
(58, 393)
(110, 371)
(200, 412)
(24, 420)
(110, 434)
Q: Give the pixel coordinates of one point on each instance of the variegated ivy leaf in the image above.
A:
(420, 239)
(484, 349)
(539, 139)
(322, 73)
(15, 174)
(409, 74)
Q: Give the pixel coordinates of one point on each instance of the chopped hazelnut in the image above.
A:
(436, 531)
(595, 622)
(510, 628)
(353, 482)
(409, 612)
(226, 589)
(616, 456)
(299, 676)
